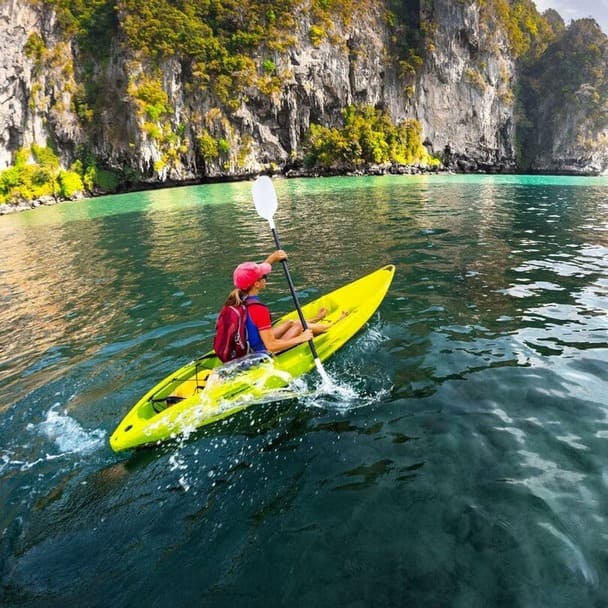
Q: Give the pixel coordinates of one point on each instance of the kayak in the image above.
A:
(206, 390)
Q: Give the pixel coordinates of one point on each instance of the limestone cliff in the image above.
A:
(450, 65)
(565, 104)
(464, 93)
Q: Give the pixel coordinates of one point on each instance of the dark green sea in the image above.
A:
(468, 468)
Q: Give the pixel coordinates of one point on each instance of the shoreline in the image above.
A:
(291, 173)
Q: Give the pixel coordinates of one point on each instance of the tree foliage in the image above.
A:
(93, 23)
(528, 31)
(227, 43)
(368, 137)
(37, 174)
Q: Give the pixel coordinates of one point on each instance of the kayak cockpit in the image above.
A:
(187, 382)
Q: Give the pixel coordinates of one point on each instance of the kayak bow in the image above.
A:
(205, 390)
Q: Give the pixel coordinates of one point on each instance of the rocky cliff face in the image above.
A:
(464, 97)
(565, 100)
(18, 125)
(462, 93)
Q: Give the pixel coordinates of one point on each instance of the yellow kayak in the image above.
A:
(205, 390)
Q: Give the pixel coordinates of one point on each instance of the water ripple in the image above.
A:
(468, 466)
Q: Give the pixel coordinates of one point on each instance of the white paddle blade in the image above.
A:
(264, 197)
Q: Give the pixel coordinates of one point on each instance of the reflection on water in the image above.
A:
(467, 467)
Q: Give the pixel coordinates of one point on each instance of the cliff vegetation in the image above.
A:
(103, 95)
(368, 137)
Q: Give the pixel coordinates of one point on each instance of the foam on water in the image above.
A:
(344, 396)
(68, 436)
(352, 387)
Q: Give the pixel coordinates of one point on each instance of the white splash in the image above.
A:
(67, 434)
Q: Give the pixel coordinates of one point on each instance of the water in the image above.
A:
(464, 466)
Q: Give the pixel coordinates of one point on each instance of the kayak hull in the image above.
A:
(205, 391)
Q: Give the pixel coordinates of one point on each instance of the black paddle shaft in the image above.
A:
(292, 288)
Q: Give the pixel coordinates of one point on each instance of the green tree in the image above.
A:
(369, 136)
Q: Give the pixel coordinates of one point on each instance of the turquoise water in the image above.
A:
(469, 468)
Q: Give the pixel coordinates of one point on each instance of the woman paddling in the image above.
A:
(249, 280)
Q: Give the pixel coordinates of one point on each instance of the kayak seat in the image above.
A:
(189, 387)
(158, 405)
(173, 399)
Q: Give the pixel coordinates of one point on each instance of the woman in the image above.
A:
(249, 280)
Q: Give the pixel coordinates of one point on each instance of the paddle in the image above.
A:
(265, 201)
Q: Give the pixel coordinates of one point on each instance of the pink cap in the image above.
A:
(247, 273)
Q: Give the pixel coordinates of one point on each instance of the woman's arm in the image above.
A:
(277, 345)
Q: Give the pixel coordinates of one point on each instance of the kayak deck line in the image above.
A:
(205, 390)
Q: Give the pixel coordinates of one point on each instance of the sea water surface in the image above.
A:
(468, 468)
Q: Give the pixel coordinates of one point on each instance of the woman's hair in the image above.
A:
(235, 298)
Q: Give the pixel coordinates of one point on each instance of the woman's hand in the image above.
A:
(307, 335)
(276, 256)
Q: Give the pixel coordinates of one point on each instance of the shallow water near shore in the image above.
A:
(465, 464)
